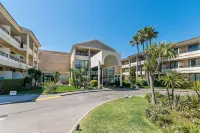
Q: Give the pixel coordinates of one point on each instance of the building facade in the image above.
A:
(19, 47)
(187, 60)
(99, 61)
(51, 61)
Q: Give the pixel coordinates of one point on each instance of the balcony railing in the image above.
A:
(186, 66)
(4, 29)
(187, 51)
(3, 54)
(15, 39)
(14, 58)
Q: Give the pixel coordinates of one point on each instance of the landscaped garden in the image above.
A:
(124, 115)
(168, 113)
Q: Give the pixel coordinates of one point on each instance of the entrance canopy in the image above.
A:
(106, 58)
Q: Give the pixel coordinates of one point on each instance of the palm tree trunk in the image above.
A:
(172, 94)
(139, 61)
(168, 96)
(198, 95)
(152, 88)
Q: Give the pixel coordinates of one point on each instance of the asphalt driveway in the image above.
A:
(55, 115)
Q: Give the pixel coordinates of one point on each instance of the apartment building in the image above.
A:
(187, 61)
(19, 47)
(51, 61)
(99, 61)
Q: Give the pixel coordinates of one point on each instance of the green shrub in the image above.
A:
(90, 88)
(158, 83)
(101, 86)
(94, 83)
(126, 83)
(6, 85)
(49, 86)
(71, 82)
(141, 82)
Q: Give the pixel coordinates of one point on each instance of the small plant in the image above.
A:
(94, 83)
(101, 86)
(49, 86)
(90, 88)
(71, 81)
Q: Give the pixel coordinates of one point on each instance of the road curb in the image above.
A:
(74, 126)
(17, 102)
(79, 92)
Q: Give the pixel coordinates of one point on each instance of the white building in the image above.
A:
(19, 47)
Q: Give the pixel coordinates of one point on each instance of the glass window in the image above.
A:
(174, 64)
(79, 52)
(81, 64)
(198, 76)
(176, 50)
(192, 77)
(193, 47)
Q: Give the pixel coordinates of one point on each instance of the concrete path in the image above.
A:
(55, 115)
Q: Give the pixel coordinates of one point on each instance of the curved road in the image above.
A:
(55, 115)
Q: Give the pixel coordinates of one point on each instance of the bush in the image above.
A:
(94, 83)
(141, 82)
(6, 85)
(101, 86)
(71, 82)
(158, 83)
(90, 88)
(49, 86)
(126, 83)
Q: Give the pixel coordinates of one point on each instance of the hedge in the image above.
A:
(94, 83)
(6, 85)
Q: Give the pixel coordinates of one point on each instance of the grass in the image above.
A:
(59, 89)
(124, 115)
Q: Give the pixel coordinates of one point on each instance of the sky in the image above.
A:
(58, 24)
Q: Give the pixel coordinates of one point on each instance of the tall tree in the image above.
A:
(136, 41)
(155, 57)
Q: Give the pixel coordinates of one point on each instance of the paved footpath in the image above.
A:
(54, 115)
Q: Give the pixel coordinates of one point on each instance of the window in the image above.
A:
(176, 50)
(174, 64)
(194, 76)
(193, 47)
(82, 64)
(79, 52)
(108, 74)
(194, 62)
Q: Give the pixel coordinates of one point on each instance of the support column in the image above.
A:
(33, 54)
(99, 75)
(120, 75)
(89, 65)
(37, 56)
(27, 54)
(102, 76)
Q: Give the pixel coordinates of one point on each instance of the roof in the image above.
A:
(96, 44)
(189, 41)
(53, 52)
(16, 25)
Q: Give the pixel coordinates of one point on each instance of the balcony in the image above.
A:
(125, 66)
(185, 69)
(11, 61)
(4, 34)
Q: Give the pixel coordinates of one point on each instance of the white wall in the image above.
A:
(6, 74)
(5, 50)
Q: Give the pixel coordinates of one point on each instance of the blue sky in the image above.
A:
(58, 24)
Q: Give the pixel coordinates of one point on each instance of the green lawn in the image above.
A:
(59, 89)
(125, 115)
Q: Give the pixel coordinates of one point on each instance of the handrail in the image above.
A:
(14, 58)
(4, 29)
(15, 39)
(3, 54)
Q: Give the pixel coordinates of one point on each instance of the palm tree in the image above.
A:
(173, 79)
(196, 87)
(151, 34)
(156, 54)
(136, 41)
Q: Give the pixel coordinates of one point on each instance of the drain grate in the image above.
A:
(2, 117)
